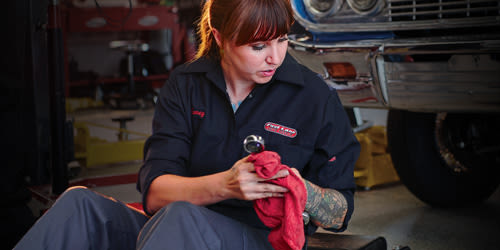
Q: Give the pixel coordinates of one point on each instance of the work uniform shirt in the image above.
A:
(196, 132)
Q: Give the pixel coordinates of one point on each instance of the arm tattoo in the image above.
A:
(327, 207)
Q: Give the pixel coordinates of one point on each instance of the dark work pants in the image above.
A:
(83, 219)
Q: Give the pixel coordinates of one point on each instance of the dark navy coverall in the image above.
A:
(196, 133)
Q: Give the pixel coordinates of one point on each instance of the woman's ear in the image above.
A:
(217, 37)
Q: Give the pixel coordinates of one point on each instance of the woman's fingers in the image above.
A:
(266, 190)
(259, 190)
(267, 194)
(272, 188)
(280, 174)
(251, 186)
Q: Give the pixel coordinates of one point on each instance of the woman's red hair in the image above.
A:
(242, 22)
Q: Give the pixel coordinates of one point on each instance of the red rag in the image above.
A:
(282, 214)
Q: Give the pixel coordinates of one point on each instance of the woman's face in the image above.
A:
(255, 62)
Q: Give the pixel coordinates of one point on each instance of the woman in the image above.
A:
(197, 182)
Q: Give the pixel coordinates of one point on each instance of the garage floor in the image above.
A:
(390, 211)
(393, 212)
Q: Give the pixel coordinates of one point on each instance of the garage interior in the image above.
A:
(75, 99)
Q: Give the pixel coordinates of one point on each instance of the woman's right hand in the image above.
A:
(239, 182)
(243, 182)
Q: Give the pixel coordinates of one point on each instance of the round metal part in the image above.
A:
(366, 7)
(253, 144)
(322, 8)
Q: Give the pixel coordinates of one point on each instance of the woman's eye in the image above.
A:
(283, 39)
(258, 47)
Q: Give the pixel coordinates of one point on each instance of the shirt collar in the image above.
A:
(288, 72)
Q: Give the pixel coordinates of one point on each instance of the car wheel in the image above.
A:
(446, 160)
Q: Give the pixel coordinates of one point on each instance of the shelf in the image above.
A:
(121, 19)
(112, 80)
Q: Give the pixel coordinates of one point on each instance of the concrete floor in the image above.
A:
(393, 212)
(390, 211)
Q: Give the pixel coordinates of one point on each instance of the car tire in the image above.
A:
(425, 154)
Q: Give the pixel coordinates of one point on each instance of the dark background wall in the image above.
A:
(25, 113)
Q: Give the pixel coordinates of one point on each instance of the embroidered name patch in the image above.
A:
(198, 113)
(280, 129)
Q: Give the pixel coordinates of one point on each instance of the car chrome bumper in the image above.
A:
(451, 73)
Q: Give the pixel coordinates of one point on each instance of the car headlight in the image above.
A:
(322, 8)
(366, 7)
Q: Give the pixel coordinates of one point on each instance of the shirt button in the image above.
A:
(250, 95)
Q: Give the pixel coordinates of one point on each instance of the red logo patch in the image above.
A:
(198, 113)
(280, 129)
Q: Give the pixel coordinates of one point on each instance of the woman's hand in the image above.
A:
(297, 173)
(243, 182)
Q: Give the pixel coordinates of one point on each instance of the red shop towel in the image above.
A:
(282, 214)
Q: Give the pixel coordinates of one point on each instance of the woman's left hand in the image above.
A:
(296, 172)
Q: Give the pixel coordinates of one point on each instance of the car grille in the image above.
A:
(418, 10)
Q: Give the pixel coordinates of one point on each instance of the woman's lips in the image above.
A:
(268, 72)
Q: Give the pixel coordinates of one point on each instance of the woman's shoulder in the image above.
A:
(200, 65)
(181, 72)
(306, 77)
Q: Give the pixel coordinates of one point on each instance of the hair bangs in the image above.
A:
(267, 22)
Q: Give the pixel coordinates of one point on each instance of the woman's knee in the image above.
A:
(78, 195)
(177, 211)
(178, 208)
(76, 192)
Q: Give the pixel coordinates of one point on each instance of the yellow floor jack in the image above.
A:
(374, 166)
(91, 151)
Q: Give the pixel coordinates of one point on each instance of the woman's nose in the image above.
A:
(273, 56)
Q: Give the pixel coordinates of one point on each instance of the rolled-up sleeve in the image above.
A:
(166, 151)
(336, 152)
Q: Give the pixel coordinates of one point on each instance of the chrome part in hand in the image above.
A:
(253, 144)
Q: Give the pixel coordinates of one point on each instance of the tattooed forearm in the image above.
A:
(326, 207)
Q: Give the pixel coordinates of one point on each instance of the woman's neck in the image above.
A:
(238, 91)
(236, 88)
